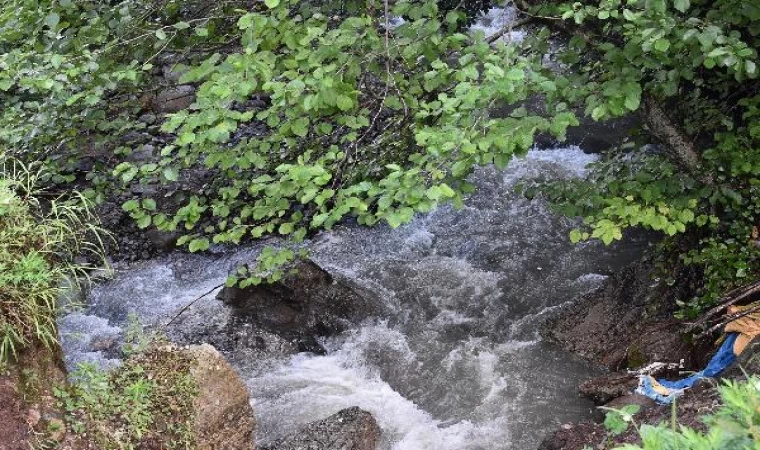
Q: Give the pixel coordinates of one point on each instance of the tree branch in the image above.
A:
(670, 134)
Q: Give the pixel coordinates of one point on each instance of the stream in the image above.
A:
(456, 362)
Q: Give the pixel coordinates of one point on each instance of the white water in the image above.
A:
(455, 363)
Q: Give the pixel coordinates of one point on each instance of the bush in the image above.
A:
(735, 425)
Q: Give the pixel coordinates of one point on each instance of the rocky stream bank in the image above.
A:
(624, 326)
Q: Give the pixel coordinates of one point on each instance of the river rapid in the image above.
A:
(455, 362)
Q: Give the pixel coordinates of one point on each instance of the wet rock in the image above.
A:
(148, 119)
(162, 240)
(605, 388)
(631, 399)
(349, 429)
(174, 99)
(593, 136)
(590, 135)
(627, 323)
(306, 304)
(142, 154)
(173, 72)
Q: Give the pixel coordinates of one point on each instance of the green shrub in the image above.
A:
(735, 425)
(38, 242)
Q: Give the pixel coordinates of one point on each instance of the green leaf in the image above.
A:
(130, 205)
(662, 44)
(161, 34)
(144, 222)
(171, 174)
(285, 228)
(750, 67)
(344, 102)
(198, 245)
(149, 204)
(434, 193)
(271, 4)
(632, 96)
(300, 126)
(52, 20)
(681, 5)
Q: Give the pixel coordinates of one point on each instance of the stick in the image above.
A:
(728, 319)
(507, 28)
(740, 294)
(184, 308)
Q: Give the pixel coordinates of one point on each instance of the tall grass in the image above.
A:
(40, 239)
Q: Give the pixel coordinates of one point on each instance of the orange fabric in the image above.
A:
(657, 387)
(748, 328)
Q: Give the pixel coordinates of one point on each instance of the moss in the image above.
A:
(145, 404)
(635, 358)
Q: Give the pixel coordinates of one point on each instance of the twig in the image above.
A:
(729, 299)
(729, 319)
(508, 28)
(185, 308)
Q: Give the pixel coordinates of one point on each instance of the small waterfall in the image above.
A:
(455, 363)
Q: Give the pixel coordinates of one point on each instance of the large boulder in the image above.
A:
(306, 304)
(590, 135)
(627, 323)
(348, 429)
(221, 417)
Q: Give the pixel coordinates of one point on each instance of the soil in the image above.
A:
(13, 426)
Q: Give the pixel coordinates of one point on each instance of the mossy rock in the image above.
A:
(166, 397)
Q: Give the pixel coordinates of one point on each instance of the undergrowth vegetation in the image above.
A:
(148, 401)
(735, 425)
(39, 239)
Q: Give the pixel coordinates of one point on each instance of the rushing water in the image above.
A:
(456, 361)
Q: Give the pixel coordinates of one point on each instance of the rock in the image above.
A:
(148, 119)
(349, 429)
(602, 389)
(590, 135)
(142, 154)
(220, 414)
(574, 437)
(632, 399)
(306, 304)
(223, 415)
(173, 72)
(593, 136)
(174, 99)
(162, 240)
(627, 323)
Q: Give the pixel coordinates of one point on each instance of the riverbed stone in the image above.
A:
(602, 389)
(348, 429)
(307, 304)
(223, 418)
